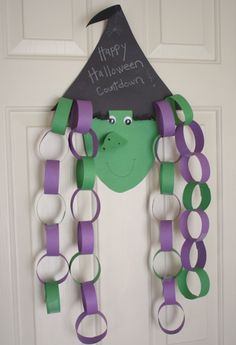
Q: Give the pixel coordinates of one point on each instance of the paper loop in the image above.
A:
(58, 281)
(52, 297)
(61, 116)
(97, 200)
(85, 173)
(85, 233)
(52, 239)
(155, 271)
(179, 101)
(61, 156)
(155, 151)
(168, 331)
(180, 139)
(165, 118)
(166, 240)
(97, 275)
(183, 286)
(177, 213)
(188, 193)
(183, 224)
(185, 254)
(58, 218)
(185, 172)
(73, 150)
(90, 340)
(89, 298)
(167, 176)
(169, 291)
(81, 116)
(51, 177)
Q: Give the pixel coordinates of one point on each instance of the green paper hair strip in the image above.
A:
(167, 175)
(184, 106)
(61, 115)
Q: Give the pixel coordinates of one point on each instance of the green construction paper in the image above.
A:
(167, 174)
(52, 297)
(180, 102)
(85, 173)
(61, 116)
(97, 275)
(183, 286)
(125, 154)
(205, 195)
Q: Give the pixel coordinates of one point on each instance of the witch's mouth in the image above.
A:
(122, 175)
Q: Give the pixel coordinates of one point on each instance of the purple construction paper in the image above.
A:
(90, 340)
(72, 148)
(185, 254)
(51, 177)
(185, 172)
(180, 140)
(166, 240)
(183, 224)
(85, 236)
(81, 116)
(52, 239)
(89, 298)
(165, 118)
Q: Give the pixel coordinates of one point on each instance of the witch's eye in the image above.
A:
(128, 120)
(112, 120)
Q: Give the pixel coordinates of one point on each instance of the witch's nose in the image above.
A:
(113, 141)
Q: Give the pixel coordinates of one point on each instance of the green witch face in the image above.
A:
(125, 149)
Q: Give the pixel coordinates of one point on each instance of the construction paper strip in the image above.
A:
(183, 285)
(81, 116)
(155, 151)
(51, 177)
(167, 175)
(85, 173)
(86, 339)
(89, 298)
(58, 281)
(180, 102)
(57, 218)
(61, 116)
(154, 260)
(183, 224)
(97, 200)
(97, 275)
(94, 140)
(166, 235)
(176, 215)
(188, 193)
(165, 118)
(185, 172)
(168, 331)
(52, 297)
(52, 239)
(180, 139)
(185, 254)
(169, 291)
(85, 234)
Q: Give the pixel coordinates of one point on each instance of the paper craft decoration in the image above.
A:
(123, 109)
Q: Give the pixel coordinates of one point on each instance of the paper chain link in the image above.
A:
(169, 124)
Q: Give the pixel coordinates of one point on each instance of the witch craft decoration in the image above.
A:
(123, 110)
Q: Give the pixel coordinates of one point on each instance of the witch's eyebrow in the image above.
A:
(101, 116)
(143, 117)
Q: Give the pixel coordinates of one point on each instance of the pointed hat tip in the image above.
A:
(104, 14)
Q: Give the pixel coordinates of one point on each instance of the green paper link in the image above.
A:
(52, 297)
(153, 267)
(188, 193)
(183, 286)
(167, 175)
(185, 107)
(85, 173)
(61, 116)
(98, 268)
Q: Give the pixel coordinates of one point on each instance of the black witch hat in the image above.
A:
(118, 75)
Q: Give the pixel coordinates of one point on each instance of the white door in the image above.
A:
(43, 46)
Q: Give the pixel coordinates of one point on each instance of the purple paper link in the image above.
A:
(185, 172)
(59, 281)
(85, 235)
(169, 291)
(51, 177)
(180, 140)
(183, 224)
(185, 254)
(52, 239)
(166, 240)
(72, 148)
(81, 116)
(90, 340)
(174, 331)
(97, 200)
(165, 118)
(89, 298)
